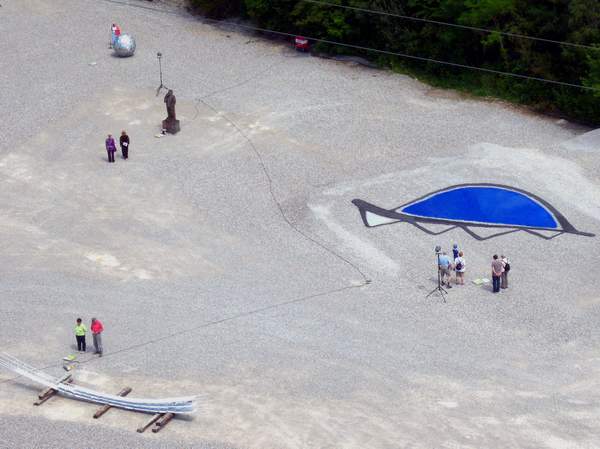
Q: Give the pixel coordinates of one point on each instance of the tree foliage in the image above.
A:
(576, 21)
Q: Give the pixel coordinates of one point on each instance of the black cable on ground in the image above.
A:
(261, 162)
(365, 282)
(201, 326)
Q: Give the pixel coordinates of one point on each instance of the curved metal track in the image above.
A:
(180, 405)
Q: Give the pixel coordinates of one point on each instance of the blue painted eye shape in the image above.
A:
(469, 206)
(488, 205)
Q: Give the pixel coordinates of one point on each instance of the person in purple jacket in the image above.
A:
(111, 147)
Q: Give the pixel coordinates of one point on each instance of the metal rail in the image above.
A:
(179, 405)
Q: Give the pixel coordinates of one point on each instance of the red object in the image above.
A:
(117, 30)
(97, 327)
(301, 43)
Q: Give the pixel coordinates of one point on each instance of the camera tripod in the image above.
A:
(439, 289)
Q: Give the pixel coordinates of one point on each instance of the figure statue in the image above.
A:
(170, 101)
(170, 124)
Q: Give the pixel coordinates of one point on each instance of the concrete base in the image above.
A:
(171, 126)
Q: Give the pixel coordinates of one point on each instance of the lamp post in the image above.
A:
(159, 57)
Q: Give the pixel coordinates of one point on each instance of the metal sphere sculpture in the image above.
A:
(125, 45)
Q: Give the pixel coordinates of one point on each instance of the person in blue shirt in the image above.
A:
(444, 265)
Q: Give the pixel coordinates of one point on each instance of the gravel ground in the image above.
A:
(227, 261)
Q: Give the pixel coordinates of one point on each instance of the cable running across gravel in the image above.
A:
(201, 326)
(366, 280)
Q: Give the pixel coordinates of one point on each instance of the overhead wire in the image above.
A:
(390, 53)
(450, 24)
(403, 55)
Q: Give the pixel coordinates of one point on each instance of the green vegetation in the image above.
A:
(576, 21)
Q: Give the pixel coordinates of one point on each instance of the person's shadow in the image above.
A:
(74, 347)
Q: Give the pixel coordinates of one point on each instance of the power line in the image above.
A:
(404, 55)
(455, 25)
(149, 8)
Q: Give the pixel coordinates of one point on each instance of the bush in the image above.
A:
(576, 21)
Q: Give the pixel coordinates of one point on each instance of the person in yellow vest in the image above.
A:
(80, 331)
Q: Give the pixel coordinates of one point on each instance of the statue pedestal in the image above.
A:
(171, 126)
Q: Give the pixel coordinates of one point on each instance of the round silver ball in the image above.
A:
(125, 45)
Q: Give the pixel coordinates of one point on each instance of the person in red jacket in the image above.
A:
(97, 330)
(115, 32)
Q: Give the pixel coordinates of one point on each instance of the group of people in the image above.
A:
(500, 269)
(457, 264)
(81, 330)
(111, 146)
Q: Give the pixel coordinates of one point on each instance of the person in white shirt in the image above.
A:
(504, 277)
(459, 268)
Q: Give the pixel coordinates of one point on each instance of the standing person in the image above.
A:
(97, 330)
(459, 267)
(111, 147)
(444, 268)
(496, 273)
(506, 267)
(124, 142)
(455, 251)
(80, 331)
(112, 36)
(115, 32)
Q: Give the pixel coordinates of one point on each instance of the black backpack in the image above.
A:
(507, 267)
